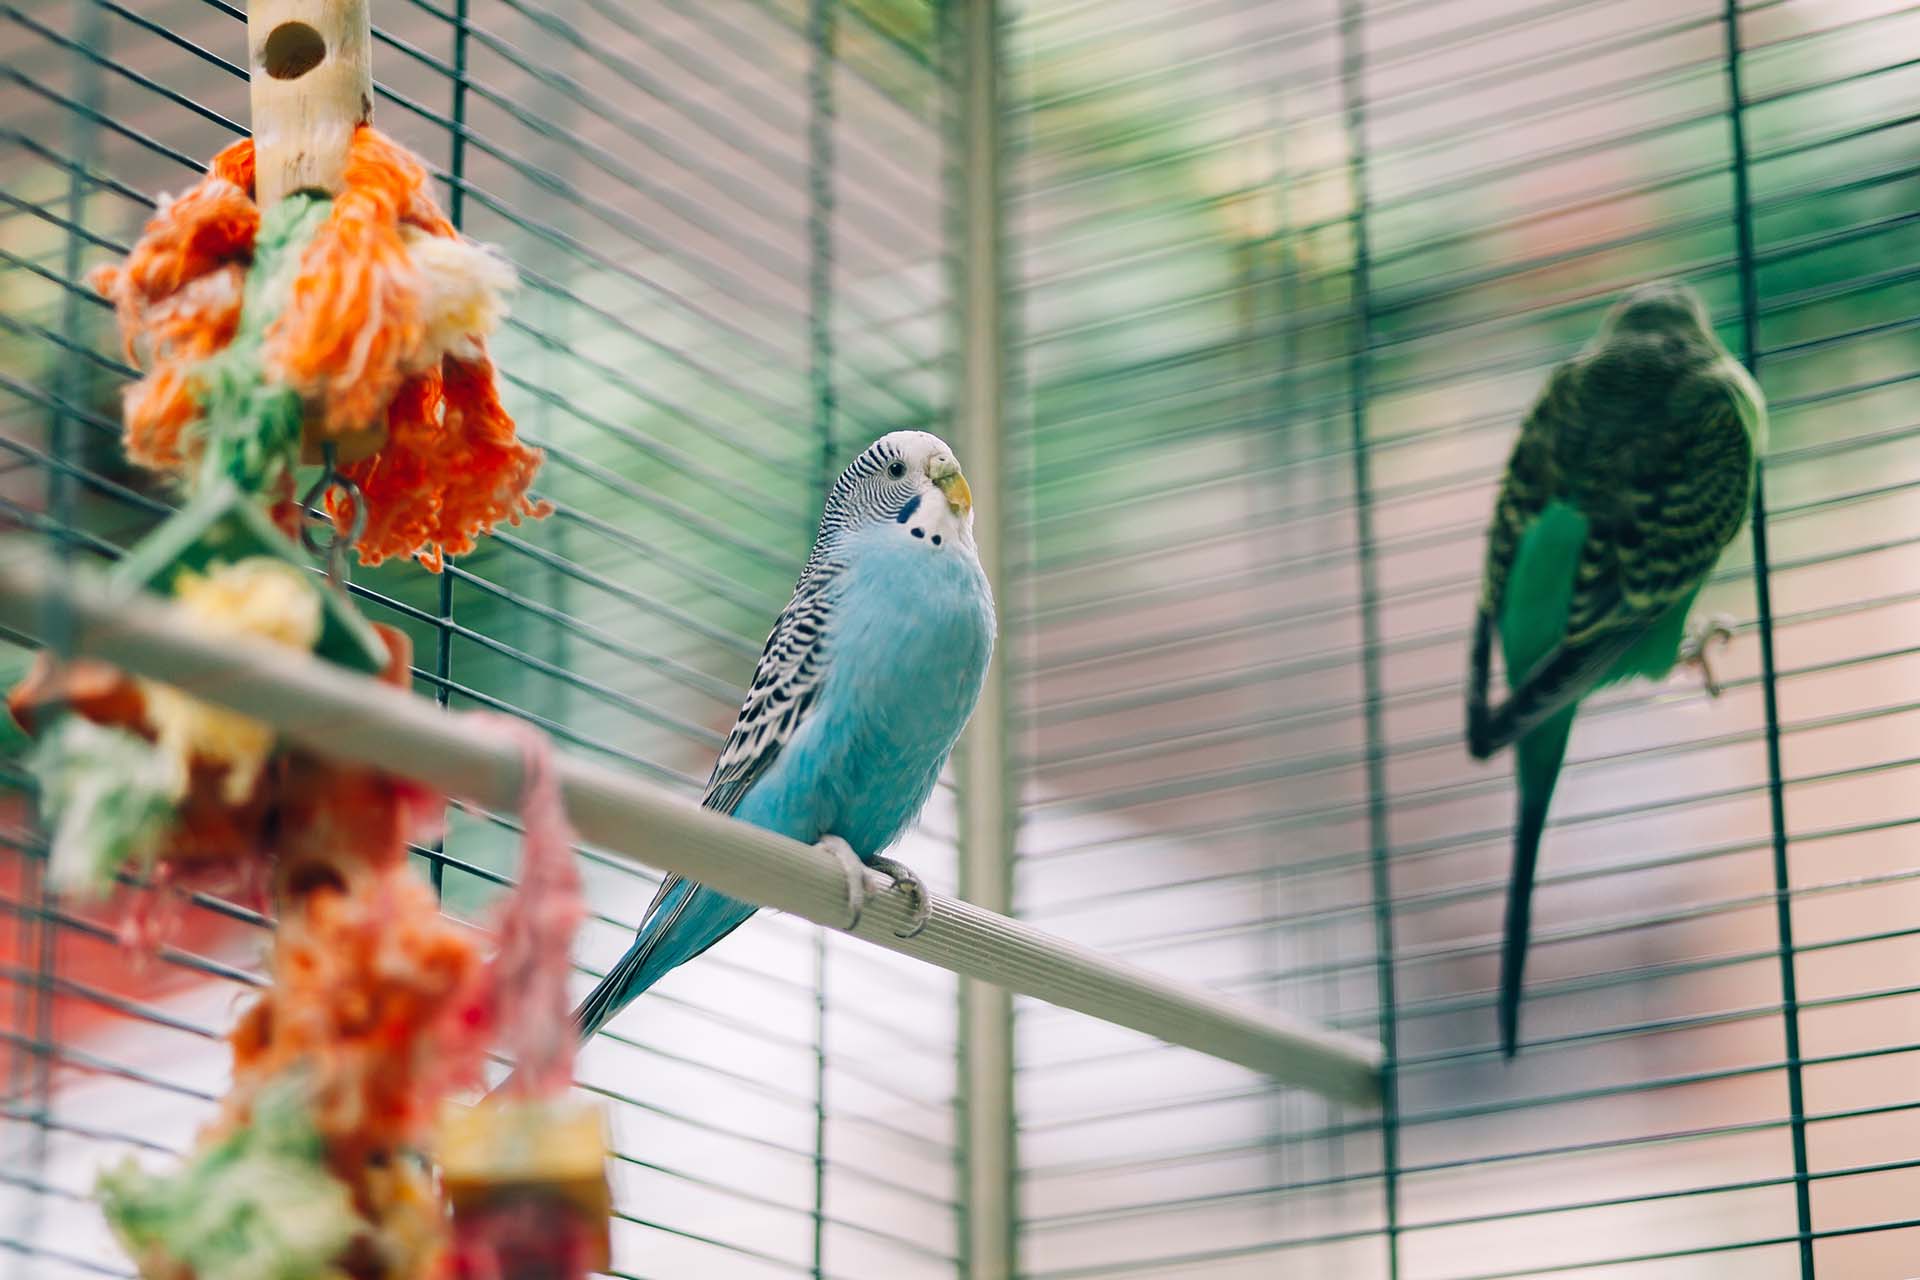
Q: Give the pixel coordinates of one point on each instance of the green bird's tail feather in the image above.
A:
(1539, 755)
(1532, 622)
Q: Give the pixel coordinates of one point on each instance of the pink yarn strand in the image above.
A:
(535, 926)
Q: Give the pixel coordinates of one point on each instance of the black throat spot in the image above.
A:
(906, 512)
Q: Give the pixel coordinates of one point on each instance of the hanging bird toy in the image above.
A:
(308, 303)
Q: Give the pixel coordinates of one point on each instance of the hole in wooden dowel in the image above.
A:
(292, 50)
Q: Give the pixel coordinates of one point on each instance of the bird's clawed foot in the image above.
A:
(856, 873)
(1693, 649)
(920, 909)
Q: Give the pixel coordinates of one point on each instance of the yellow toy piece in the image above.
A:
(259, 596)
(222, 524)
(513, 1147)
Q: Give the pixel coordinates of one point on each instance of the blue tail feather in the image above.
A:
(687, 919)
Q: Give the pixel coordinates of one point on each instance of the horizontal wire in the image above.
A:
(805, 1211)
(57, 1123)
(1387, 304)
(724, 281)
(148, 1014)
(1258, 983)
(793, 21)
(1263, 821)
(713, 24)
(886, 226)
(1103, 1166)
(1601, 1092)
(1348, 1129)
(700, 1237)
(1665, 1255)
(1508, 1105)
(1167, 785)
(773, 410)
(1280, 1190)
(1198, 1257)
(1325, 611)
(188, 961)
(1493, 787)
(682, 676)
(1230, 100)
(728, 641)
(32, 1249)
(1501, 76)
(57, 1054)
(20, 976)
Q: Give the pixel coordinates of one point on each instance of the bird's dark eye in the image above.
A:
(897, 470)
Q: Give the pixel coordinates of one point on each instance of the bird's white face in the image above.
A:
(909, 481)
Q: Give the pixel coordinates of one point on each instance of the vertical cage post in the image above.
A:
(1769, 683)
(986, 827)
(1353, 93)
(821, 27)
(30, 1077)
(456, 214)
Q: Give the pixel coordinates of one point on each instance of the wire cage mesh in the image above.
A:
(730, 246)
(1282, 278)
(1293, 274)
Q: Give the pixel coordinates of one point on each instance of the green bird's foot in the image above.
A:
(856, 873)
(920, 906)
(1693, 649)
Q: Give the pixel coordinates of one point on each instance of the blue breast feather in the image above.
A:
(910, 633)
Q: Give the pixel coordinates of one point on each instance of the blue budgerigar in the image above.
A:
(861, 692)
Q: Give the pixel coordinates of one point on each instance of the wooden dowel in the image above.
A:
(312, 83)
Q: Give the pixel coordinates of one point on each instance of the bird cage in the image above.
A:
(1242, 303)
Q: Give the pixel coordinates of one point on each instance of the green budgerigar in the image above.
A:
(1632, 473)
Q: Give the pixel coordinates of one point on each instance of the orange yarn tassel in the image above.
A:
(212, 225)
(355, 312)
(497, 467)
(177, 297)
(398, 484)
(353, 340)
(235, 163)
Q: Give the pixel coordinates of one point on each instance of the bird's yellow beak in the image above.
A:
(945, 472)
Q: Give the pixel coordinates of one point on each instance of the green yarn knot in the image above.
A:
(257, 1205)
(250, 425)
(111, 795)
